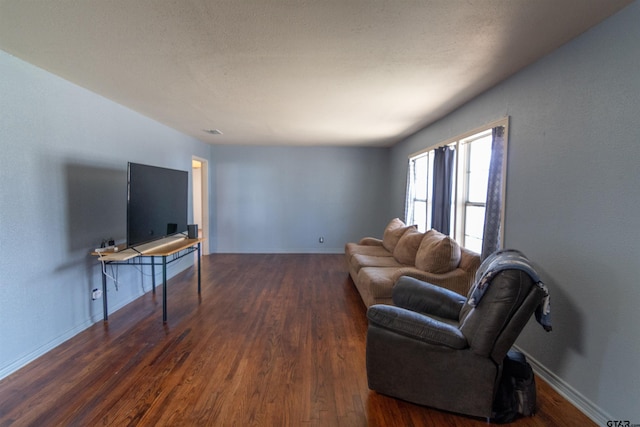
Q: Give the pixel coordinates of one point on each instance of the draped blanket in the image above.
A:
(511, 259)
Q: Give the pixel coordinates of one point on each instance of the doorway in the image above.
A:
(200, 174)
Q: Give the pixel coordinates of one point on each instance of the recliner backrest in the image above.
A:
(483, 325)
(510, 333)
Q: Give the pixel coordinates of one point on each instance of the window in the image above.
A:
(473, 156)
(420, 169)
(477, 156)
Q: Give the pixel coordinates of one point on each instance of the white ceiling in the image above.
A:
(328, 72)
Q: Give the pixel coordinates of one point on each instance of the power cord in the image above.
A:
(113, 276)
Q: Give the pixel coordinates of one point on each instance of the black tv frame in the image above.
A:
(157, 203)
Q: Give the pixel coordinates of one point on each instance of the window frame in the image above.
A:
(466, 146)
(429, 190)
(460, 191)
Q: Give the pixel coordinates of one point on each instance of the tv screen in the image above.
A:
(157, 200)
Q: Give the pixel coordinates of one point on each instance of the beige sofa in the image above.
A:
(376, 264)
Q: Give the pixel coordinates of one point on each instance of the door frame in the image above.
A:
(204, 228)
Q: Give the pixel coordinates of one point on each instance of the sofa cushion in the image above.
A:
(393, 232)
(378, 280)
(354, 248)
(407, 247)
(437, 253)
(359, 261)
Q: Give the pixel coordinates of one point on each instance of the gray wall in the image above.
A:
(282, 199)
(573, 194)
(63, 161)
(63, 170)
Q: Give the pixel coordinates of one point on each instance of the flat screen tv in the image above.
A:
(157, 200)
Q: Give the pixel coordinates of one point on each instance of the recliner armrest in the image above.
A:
(417, 326)
(457, 280)
(423, 297)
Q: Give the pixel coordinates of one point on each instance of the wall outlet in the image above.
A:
(95, 294)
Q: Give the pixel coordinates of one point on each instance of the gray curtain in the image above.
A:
(493, 212)
(442, 189)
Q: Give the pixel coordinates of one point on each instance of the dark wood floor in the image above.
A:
(274, 340)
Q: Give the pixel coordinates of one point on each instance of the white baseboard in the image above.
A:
(25, 360)
(97, 316)
(5, 371)
(293, 251)
(586, 406)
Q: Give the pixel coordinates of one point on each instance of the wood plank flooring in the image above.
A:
(274, 340)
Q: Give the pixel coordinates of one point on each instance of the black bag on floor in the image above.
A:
(517, 390)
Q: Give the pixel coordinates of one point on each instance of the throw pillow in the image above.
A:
(437, 253)
(392, 233)
(407, 247)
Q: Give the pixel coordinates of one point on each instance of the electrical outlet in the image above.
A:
(95, 294)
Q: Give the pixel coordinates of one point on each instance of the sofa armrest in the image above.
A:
(458, 280)
(469, 260)
(370, 241)
(423, 297)
(416, 326)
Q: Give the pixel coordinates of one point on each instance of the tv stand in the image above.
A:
(165, 250)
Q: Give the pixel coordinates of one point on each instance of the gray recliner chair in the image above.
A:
(435, 349)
